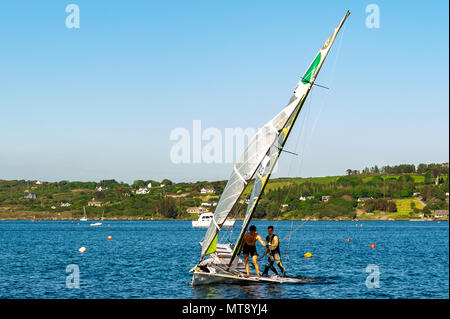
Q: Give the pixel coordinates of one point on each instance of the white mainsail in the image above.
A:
(273, 134)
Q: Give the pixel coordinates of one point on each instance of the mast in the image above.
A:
(260, 146)
(267, 165)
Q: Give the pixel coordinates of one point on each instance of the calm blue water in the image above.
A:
(151, 259)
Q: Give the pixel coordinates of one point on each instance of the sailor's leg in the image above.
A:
(266, 270)
(278, 260)
(255, 262)
(268, 266)
(247, 266)
(273, 269)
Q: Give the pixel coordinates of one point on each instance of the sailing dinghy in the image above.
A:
(259, 158)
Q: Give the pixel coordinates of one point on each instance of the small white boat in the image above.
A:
(204, 219)
(96, 224)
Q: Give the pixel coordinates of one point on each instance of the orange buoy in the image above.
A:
(308, 255)
(348, 239)
(82, 249)
(109, 237)
(372, 246)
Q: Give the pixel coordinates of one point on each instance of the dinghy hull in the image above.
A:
(201, 278)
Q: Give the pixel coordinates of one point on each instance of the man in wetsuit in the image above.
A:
(273, 248)
(249, 248)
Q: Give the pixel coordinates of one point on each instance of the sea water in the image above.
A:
(151, 259)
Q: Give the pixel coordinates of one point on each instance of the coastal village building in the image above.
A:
(142, 191)
(95, 204)
(209, 204)
(207, 191)
(326, 198)
(38, 183)
(196, 210)
(440, 213)
(66, 204)
(101, 188)
(29, 195)
(302, 198)
(364, 199)
(149, 185)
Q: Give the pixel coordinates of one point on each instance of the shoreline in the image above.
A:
(171, 219)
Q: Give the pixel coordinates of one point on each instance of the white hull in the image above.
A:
(218, 273)
(201, 278)
(96, 224)
(205, 224)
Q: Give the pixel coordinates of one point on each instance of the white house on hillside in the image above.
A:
(209, 204)
(142, 191)
(206, 191)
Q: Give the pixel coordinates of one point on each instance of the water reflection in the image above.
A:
(244, 291)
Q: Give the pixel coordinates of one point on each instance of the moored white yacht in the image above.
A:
(204, 219)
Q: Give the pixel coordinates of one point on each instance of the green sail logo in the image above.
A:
(312, 69)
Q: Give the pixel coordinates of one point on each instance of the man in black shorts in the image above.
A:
(249, 248)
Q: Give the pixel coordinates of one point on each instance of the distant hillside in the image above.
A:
(397, 192)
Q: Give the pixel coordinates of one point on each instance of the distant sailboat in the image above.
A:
(258, 161)
(84, 218)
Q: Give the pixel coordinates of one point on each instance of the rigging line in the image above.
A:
(287, 250)
(292, 232)
(330, 81)
(301, 125)
(303, 130)
(232, 215)
(305, 138)
(288, 152)
(300, 133)
(315, 84)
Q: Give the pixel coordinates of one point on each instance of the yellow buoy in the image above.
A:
(308, 255)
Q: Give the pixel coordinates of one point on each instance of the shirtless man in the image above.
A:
(249, 248)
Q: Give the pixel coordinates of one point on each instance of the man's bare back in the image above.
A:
(251, 238)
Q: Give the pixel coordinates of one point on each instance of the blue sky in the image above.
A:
(100, 101)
